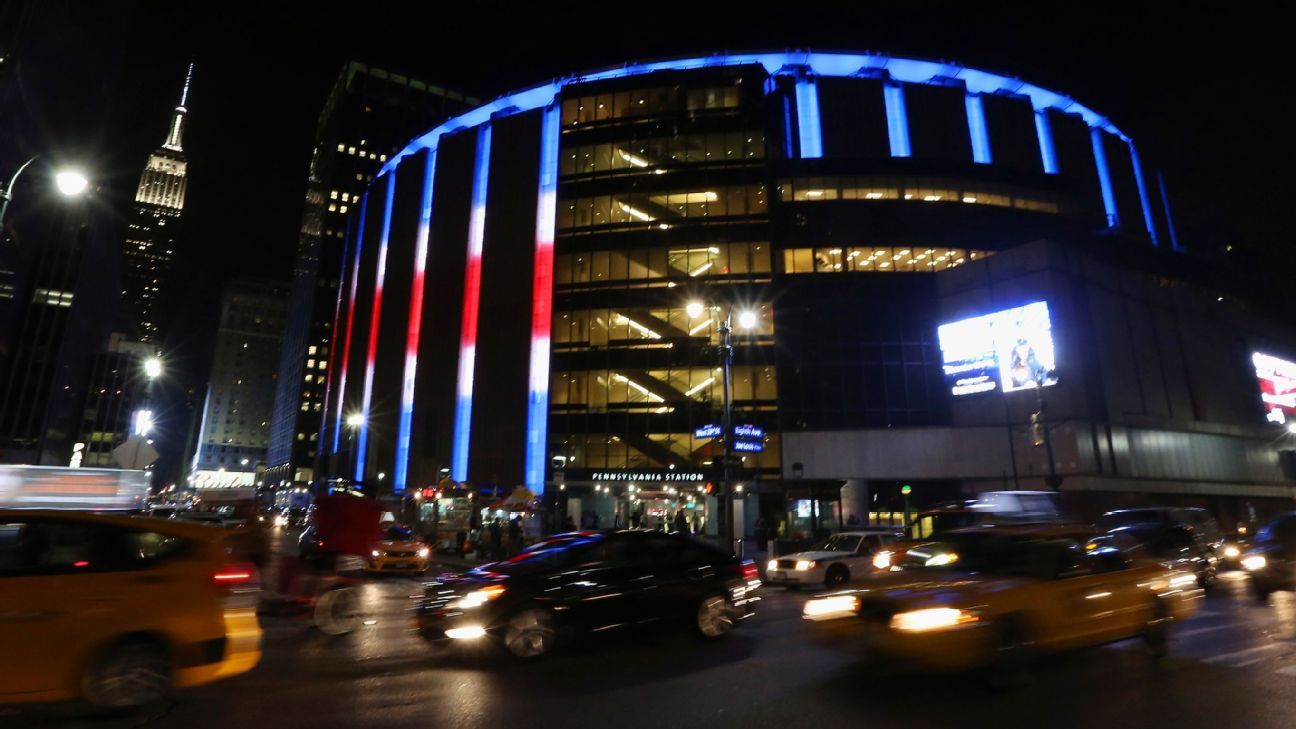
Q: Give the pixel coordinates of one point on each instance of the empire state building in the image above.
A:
(151, 238)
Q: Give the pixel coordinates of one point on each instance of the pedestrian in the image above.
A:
(515, 535)
(681, 522)
(616, 521)
(496, 539)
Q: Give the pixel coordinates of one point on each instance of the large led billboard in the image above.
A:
(1008, 350)
(1277, 378)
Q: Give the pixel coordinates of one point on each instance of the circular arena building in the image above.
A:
(928, 270)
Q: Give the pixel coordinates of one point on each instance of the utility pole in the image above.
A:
(1040, 434)
(726, 485)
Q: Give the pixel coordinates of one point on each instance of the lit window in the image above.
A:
(342, 209)
(341, 147)
(332, 207)
(381, 158)
(350, 150)
(333, 195)
(310, 350)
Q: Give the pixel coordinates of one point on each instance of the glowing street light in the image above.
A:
(694, 309)
(71, 182)
(355, 420)
(747, 319)
(153, 367)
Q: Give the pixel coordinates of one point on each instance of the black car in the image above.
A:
(1176, 545)
(1271, 559)
(590, 581)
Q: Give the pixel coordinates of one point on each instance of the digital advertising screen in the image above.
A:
(1008, 350)
(1277, 379)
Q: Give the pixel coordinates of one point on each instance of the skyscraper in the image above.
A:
(150, 243)
(240, 392)
(369, 114)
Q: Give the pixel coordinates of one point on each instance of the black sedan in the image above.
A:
(590, 581)
(1177, 546)
(1271, 558)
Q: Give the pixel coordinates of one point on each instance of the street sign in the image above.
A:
(708, 431)
(135, 453)
(748, 431)
(748, 446)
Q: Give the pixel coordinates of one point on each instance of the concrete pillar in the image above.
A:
(855, 500)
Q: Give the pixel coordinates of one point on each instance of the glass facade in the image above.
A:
(920, 189)
(635, 209)
(876, 259)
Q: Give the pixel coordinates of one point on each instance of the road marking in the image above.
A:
(1229, 659)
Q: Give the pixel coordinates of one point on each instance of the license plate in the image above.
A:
(778, 575)
(398, 565)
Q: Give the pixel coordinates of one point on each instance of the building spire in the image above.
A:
(177, 121)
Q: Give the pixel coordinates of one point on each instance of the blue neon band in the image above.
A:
(977, 129)
(809, 131)
(1143, 195)
(1048, 153)
(897, 120)
(1104, 177)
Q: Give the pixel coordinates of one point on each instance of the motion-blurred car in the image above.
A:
(1200, 521)
(399, 551)
(588, 582)
(248, 532)
(1174, 545)
(998, 595)
(118, 610)
(1271, 558)
(834, 562)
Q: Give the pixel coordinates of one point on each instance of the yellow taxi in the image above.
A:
(399, 551)
(1000, 595)
(119, 610)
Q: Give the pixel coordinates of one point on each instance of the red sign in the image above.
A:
(1277, 386)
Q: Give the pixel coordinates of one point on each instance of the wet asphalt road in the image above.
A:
(1233, 665)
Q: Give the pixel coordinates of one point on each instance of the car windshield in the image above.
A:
(398, 534)
(840, 543)
(1123, 518)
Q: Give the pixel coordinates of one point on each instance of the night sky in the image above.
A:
(1197, 93)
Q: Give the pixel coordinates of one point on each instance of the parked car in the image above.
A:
(1271, 558)
(118, 610)
(997, 596)
(833, 562)
(590, 581)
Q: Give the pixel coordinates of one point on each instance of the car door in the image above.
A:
(604, 587)
(680, 575)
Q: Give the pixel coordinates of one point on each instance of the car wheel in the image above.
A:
(1156, 636)
(530, 634)
(1012, 654)
(128, 675)
(1208, 577)
(837, 575)
(715, 618)
(337, 611)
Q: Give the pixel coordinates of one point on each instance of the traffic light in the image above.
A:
(1037, 428)
(906, 489)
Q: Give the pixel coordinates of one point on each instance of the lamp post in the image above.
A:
(747, 319)
(1040, 429)
(69, 182)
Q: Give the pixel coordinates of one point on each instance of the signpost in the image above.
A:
(708, 431)
(135, 454)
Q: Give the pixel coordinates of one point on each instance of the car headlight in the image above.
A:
(805, 564)
(376, 553)
(477, 598)
(424, 552)
(834, 606)
(1231, 551)
(882, 560)
(1254, 562)
(939, 560)
(929, 619)
(772, 565)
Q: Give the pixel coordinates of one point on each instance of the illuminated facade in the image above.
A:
(235, 428)
(539, 282)
(150, 244)
(368, 116)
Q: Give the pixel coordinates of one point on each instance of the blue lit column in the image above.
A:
(809, 129)
(371, 357)
(977, 129)
(471, 304)
(537, 434)
(1165, 202)
(1104, 177)
(897, 119)
(413, 333)
(1143, 195)
(1044, 130)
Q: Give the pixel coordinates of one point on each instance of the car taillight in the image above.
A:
(749, 571)
(239, 585)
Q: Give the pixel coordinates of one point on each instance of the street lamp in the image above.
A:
(747, 320)
(153, 367)
(69, 182)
